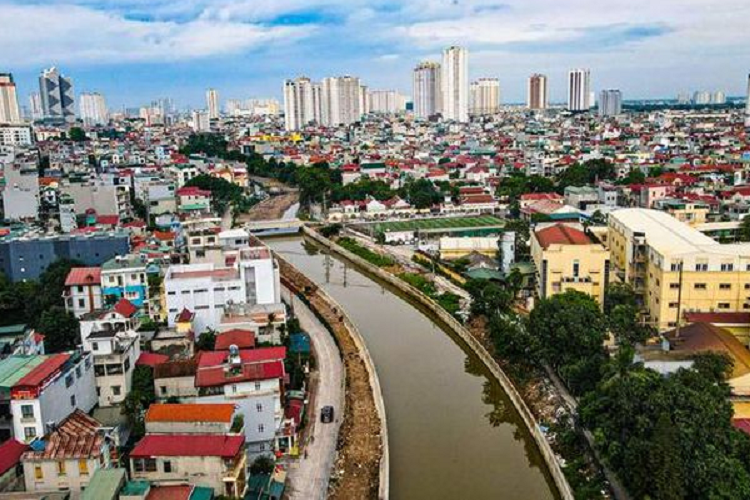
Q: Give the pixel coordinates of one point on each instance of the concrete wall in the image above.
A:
(450, 322)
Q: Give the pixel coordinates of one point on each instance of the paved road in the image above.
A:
(308, 477)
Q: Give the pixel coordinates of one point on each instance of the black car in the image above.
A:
(326, 414)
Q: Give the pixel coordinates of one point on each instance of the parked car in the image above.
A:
(326, 414)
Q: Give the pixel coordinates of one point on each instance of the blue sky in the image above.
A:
(135, 51)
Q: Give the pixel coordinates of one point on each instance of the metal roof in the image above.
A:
(14, 368)
(104, 484)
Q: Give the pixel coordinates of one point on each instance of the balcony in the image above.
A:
(576, 279)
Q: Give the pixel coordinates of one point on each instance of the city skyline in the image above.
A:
(144, 50)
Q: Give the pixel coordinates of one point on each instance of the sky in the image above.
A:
(135, 51)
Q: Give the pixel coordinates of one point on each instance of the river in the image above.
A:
(454, 434)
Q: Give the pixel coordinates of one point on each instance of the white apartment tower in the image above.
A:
(387, 102)
(747, 104)
(35, 106)
(57, 96)
(485, 96)
(610, 103)
(93, 109)
(340, 100)
(299, 105)
(537, 95)
(427, 89)
(212, 104)
(579, 89)
(9, 110)
(455, 82)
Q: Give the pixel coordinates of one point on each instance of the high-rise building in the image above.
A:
(701, 97)
(719, 97)
(364, 100)
(9, 111)
(201, 121)
(385, 102)
(455, 82)
(579, 89)
(212, 104)
(610, 102)
(427, 89)
(683, 98)
(747, 104)
(298, 103)
(340, 100)
(35, 106)
(538, 92)
(93, 109)
(485, 96)
(58, 99)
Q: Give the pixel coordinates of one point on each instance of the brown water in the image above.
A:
(453, 432)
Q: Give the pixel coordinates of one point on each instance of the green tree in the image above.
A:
(512, 339)
(744, 231)
(140, 397)
(618, 294)
(60, 328)
(262, 465)
(206, 341)
(421, 193)
(76, 134)
(488, 298)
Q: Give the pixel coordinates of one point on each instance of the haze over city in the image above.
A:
(137, 50)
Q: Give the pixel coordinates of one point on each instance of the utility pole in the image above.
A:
(679, 302)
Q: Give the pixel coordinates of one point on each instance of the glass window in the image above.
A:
(83, 467)
(27, 411)
(61, 467)
(69, 380)
(29, 433)
(167, 466)
(38, 474)
(116, 390)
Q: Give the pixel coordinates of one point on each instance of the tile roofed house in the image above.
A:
(84, 276)
(243, 339)
(187, 445)
(10, 457)
(560, 234)
(190, 413)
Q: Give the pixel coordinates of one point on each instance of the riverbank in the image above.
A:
(450, 323)
(361, 467)
(272, 208)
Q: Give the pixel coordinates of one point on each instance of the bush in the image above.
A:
(372, 257)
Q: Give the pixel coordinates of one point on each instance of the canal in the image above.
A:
(454, 434)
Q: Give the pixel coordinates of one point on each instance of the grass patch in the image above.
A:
(448, 301)
(365, 253)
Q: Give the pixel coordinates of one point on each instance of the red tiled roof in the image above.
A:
(540, 196)
(193, 191)
(151, 359)
(84, 276)
(215, 358)
(42, 372)
(735, 318)
(560, 234)
(244, 339)
(171, 492)
(125, 308)
(108, 220)
(218, 375)
(77, 436)
(189, 445)
(742, 424)
(10, 454)
(185, 315)
(190, 413)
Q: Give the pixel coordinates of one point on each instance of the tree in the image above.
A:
(206, 341)
(140, 397)
(512, 339)
(421, 193)
(619, 294)
(60, 328)
(76, 134)
(262, 465)
(488, 298)
(744, 231)
(571, 330)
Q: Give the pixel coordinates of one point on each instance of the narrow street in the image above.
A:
(309, 475)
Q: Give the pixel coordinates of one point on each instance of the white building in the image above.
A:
(200, 122)
(212, 104)
(16, 135)
(298, 103)
(747, 104)
(579, 89)
(93, 109)
(610, 103)
(83, 290)
(386, 102)
(35, 106)
(702, 97)
(537, 95)
(341, 102)
(485, 96)
(9, 110)
(53, 389)
(427, 89)
(455, 84)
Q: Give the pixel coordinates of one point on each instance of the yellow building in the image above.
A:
(456, 248)
(566, 258)
(691, 213)
(675, 268)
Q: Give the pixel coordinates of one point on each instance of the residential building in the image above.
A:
(93, 109)
(193, 200)
(68, 456)
(427, 89)
(387, 102)
(701, 97)
(35, 106)
(57, 96)
(217, 461)
(610, 103)
(298, 103)
(567, 258)
(201, 122)
(691, 213)
(105, 484)
(188, 419)
(11, 470)
(16, 135)
(485, 96)
(9, 110)
(676, 269)
(212, 104)
(579, 89)
(341, 100)
(455, 84)
(83, 290)
(124, 276)
(101, 197)
(747, 104)
(537, 92)
(176, 379)
(50, 391)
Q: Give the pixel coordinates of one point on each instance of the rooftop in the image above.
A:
(104, 484)
(188, 445)
(84, 276)
(561, 234)
(190, 413)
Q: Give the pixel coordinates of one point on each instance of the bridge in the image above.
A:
(274, 227)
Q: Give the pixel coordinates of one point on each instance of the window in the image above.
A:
(27, 411)
(29, 433)
(127, 365)
(83, 467)
(60, 467)
(700, 286)
(116, 390)
(259, 407)
(81, 302)
(723, 305)
(727, 267)
(261, 428)
(674, 286)
(163, 390)
(69, 380)
(725, 286)
(673, 305)
(257, 386)
(701, 266)
(78, 371)
(38, 474)
(95, 346)
(167, 466)
(576, 268)
(73, 400)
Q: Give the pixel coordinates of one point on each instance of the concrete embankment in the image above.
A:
(362, 466)
(471, 343)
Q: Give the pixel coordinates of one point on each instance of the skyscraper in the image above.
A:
(747, 104)
(299, 103)
(579, 89)
(340, 100)
(610, 103)
(93, 109)
(538, 92)
(701, 97)
(56, 93)
(485, 96)
(212, 104)
(427, 89)
(9, 111)
(35, 106)
(385, 102)
(719, 97)
(455, 82)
